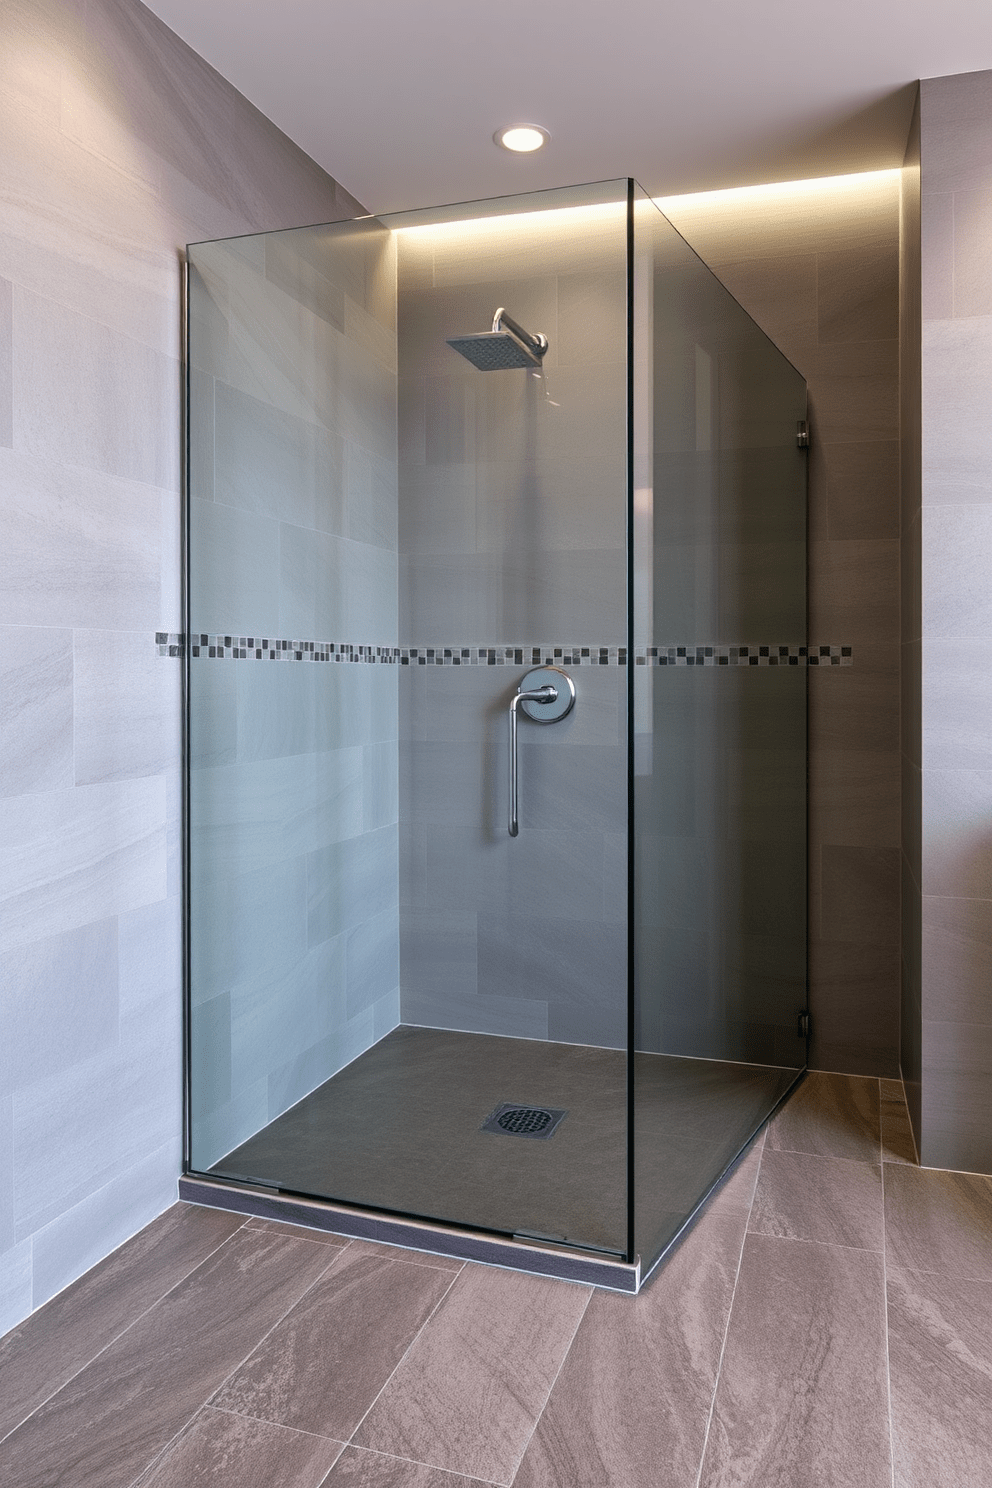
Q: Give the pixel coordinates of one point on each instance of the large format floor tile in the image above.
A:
(938, 1221)
(55, 1342)
(322, 1367)
(217, 1448)
(358, 1468)
(898, 1142)
(830, 1116)
(108, 1423)
(940, 1353)
(828, 1199)
(802, 1396)
(469, 1392)
(630, 1407)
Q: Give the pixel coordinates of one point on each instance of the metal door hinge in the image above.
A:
(802, 434)
(804, 1025)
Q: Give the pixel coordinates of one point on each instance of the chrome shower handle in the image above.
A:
(546, 694)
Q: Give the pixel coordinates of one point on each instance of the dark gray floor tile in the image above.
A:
(801, 1398)
(51, 1345)
(108, 1423)
(938, 1221)
(326, 1362)
(898, 1144)
(630, 1406)
(827, 1199)
(217, 1448)
(940, 1360)
(468, 1394)
(361, 1469)
(830, 1116)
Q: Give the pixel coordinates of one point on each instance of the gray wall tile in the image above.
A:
(126, 707)
(79, 549)
(81, 855)
(85, 395)
(61, 1003)
(84, 1234)
(6, 364)
(36, 744)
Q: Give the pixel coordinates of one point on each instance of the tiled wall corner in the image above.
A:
(953, 548)
(120, 146)
(818, 268)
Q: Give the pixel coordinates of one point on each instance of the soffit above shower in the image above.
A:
(398, 99)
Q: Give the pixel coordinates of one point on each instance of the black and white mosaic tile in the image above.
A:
(270, 648)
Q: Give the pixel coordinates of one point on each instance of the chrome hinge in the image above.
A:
(804, 1025)
(802, 434)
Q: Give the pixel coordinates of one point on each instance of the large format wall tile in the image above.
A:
(36, 747)
(126, 707)
(77, 856)
(120, 146)
(79, 549)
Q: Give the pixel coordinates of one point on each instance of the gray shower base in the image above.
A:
(399, 1129)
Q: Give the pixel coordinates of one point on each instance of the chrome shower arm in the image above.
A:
(537, 344)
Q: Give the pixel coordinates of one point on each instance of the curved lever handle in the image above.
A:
(546, 694)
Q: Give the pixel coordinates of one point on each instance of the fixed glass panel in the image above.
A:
(385, 539)
(293, 752)
(719, 728)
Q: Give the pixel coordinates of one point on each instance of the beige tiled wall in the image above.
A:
(817, 265)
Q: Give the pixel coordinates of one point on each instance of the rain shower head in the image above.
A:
(506, 345)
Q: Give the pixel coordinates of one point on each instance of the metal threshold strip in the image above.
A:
(524, 1254)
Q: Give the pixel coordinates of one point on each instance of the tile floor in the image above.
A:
(828, 1321)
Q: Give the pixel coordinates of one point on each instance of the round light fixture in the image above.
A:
(522, 139)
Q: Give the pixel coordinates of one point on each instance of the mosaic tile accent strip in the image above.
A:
(266, 648)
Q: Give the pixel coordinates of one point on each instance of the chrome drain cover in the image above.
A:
(515, 1120)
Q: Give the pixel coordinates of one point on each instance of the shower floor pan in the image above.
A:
(401, 1130)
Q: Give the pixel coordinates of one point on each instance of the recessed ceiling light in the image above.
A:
(522, 138)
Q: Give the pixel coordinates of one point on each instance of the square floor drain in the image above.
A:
(513, 1120)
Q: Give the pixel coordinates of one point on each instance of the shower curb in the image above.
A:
(410, 1234)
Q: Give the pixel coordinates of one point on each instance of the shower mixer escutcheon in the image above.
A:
(546, 695)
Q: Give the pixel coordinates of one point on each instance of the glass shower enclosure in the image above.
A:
(496, 726)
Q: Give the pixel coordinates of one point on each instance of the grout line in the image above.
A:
(414, 1462)
(825, 1244)
(126, 1329)
(856, 1162)
(885, 1312)
(204, 1403)
(561, 1366)
(225, 1410)
(429, 1319)
(730, 1313)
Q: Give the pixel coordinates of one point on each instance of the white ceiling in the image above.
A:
(398, 99)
